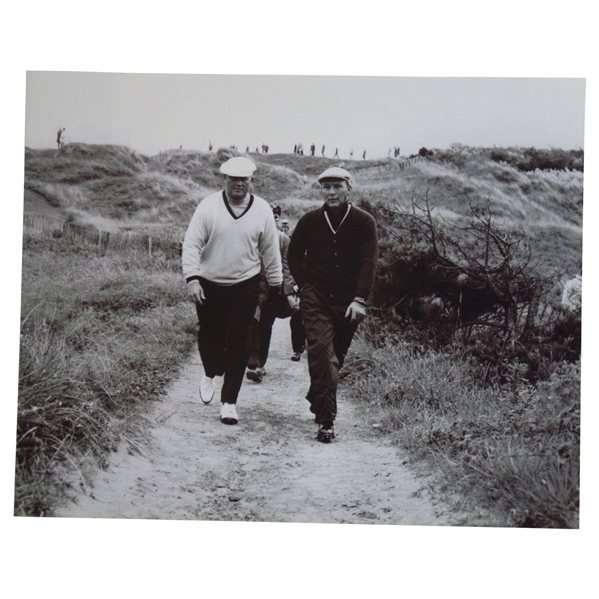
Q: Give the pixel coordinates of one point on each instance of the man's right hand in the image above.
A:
(195, 291)
(294, 302)
(356, 312)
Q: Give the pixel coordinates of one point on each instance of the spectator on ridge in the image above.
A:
(60, 137)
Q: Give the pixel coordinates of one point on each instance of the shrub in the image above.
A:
(469, 282)
(530, 159)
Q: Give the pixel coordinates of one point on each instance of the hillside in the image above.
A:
(467, 359)
(116, 188)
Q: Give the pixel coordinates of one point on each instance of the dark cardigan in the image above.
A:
(341, 265)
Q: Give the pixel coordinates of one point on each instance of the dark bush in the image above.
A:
(523, 159)
(471, 286)
(530, 159)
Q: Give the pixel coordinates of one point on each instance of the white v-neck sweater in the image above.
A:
(227, 250)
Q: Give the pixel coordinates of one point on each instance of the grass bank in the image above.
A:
(510, 449)
(101, 337)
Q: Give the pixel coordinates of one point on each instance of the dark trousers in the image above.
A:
(298, 335)
(329, 335)
(261, 334)
(225, 318)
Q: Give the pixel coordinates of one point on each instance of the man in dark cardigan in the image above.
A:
(332, 257)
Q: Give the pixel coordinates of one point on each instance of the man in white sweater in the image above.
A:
(228, 234)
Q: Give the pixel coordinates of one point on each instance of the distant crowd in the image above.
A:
(298, 149)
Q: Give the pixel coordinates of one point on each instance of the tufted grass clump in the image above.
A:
(511, 447)
(101, 337)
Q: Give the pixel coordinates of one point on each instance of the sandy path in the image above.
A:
(267, 468)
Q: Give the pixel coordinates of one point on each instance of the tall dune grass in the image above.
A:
(511, 448)
(100, 339)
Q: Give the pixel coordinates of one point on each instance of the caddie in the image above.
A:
(230, 231)
(332, 256)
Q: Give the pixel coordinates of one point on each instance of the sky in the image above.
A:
(154, 112)
(551, 45)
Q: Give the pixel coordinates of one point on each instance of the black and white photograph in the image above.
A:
(346, 303)
(391, 319)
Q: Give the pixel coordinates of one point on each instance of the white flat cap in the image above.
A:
(238, 166)
(335, 172)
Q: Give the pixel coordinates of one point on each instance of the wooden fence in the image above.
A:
(400, 164)
(126, 241)
(404, 163)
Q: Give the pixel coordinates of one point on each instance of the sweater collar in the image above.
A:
(335, 220)
(230, 209)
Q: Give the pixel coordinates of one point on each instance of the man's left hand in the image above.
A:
(355, 312)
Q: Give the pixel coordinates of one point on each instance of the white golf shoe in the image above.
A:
(206, 389)
(228, 414)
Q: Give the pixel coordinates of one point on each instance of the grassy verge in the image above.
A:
(511, 449)
(100, 338)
